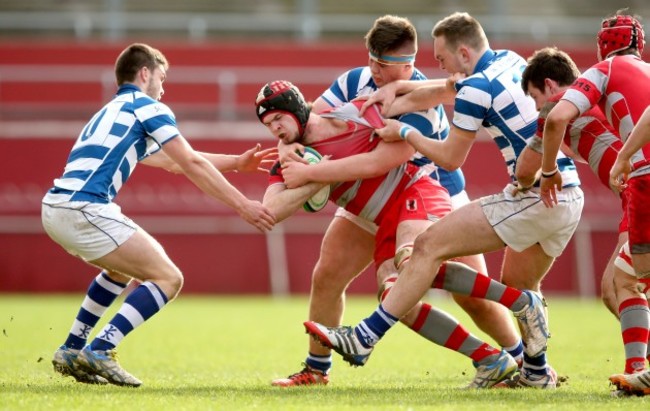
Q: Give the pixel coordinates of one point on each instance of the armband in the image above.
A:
(549, 174)
(404, 131)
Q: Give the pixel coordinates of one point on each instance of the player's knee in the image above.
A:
(428, 244)
(176, 283)
(327, 278)
(117, 277)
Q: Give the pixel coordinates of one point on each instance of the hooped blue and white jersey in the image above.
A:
(492, 97)
(126, 130)
(432, 123)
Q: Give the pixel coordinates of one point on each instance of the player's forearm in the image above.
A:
(222, 162)
(210, 180)
(283, 204)
(553, 131)
(406, 86)
(346, 169)
(421, 98)
(434, 150)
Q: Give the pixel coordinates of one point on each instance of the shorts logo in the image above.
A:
(411, 205)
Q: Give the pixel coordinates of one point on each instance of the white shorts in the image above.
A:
(523, 220)
(457, 201)
(87, 230)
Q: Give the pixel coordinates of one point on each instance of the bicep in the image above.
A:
(179, 150)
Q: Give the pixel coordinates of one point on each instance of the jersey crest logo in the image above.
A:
(411, 204)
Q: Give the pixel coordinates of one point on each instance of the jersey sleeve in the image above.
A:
(158, 121)
(588, 89)
(346, 87)
(471, 105)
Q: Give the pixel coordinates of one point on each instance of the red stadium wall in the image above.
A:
(217, 252)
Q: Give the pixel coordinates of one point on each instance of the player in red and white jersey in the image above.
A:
(549, 73)
(620, 85)
(348, 244)
(359, 196)
(373, 179)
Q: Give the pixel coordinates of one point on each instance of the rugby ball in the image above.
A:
(319, 200)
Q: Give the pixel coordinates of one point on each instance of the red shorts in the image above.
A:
(637, 196)
(426, 199)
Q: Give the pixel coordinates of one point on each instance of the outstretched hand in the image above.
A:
(255, 214)
(256, 159)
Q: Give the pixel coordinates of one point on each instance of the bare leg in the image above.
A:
(464, 231)
(346, 251)
(143, 258)
(607, 287)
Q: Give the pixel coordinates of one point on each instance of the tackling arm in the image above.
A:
(253, 159)
(449, 153)
(205, 176)
(356, 167)
(283, 202)
(433, 93)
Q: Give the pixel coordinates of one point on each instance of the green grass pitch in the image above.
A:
(220, 353)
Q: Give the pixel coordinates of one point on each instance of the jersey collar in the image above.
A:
(127, 88)
(483, 62)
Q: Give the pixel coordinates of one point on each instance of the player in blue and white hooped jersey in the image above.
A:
(348, 244)
(486, 93)
(78, 212)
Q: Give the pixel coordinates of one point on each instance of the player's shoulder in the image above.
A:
(149, 107)
(356, 72)
(418, 75)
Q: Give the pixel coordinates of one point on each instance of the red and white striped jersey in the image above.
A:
(589, 136)
(620, 86)
(368, 198)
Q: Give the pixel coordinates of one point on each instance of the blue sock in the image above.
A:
(535, 365)
(370, 330)
(322, 363)
(516, 351)
(100, 295)
(139, 306)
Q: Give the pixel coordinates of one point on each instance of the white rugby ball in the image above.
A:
(319, 200)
